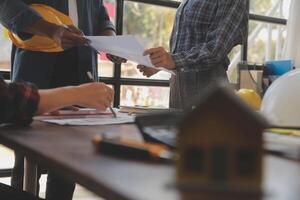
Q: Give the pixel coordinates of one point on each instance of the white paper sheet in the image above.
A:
(91, 120)
(125, 46)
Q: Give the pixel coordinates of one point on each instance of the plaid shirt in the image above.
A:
(18, 102)
(205, 31)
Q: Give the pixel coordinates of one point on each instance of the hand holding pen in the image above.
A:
(90, 76)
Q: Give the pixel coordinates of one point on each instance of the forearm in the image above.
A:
(16, 15)
(53, 99)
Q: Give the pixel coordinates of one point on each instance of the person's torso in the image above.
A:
(25, 62)
(193, 19)
(87, 10)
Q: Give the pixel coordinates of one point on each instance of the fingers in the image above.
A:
(116, 59)
(77, 39)
(108, 94)
(153, 51)
(161, 58)
(70, 39)
(157, 61)
(75, 30)
(147, 71)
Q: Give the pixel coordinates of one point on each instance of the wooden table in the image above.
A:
(69, 152)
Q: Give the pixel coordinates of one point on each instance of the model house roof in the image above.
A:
(222, 101)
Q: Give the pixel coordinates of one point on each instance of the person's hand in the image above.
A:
(95, 95)
(68, 36)
(116, 59)
(160, 58)
(147, 71)
(65, 36)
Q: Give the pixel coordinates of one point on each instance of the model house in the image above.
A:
(220, 143)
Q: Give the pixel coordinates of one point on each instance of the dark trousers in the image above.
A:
(44, 75)
(9, 193)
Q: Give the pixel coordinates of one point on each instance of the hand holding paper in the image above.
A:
(160, 58)
(125, 46)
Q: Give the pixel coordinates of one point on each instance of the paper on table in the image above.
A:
(125, 46)
(92, 121)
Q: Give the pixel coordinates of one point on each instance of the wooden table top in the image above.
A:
(69, 151)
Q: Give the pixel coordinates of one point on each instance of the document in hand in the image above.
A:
(125, 46)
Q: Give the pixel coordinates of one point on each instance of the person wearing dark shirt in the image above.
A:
(204, 33)
(19, 102)
(55, 69)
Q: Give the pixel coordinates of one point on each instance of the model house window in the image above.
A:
(246, 162)
(219, 163)
(194, 159)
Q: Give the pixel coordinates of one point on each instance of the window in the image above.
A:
(105, 67)
(152, 25)
(266, 42)
(267, 33)
(194, 159)
(266, 38)
(271, 8)
(5, 45)
(246, 162)
(144, 96)
(219, 163)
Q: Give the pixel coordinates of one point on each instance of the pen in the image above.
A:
(89, 74)
(134, 149)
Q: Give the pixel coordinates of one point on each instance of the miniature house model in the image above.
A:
(220, 144)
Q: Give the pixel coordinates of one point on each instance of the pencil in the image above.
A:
(89, 74)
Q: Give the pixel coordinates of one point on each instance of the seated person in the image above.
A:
(19, 102)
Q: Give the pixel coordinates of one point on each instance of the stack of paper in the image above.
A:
(87, 120)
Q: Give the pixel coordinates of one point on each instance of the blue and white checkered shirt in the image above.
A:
(205, 31)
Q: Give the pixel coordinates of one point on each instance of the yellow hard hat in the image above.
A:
(41, 43)
(250, 97)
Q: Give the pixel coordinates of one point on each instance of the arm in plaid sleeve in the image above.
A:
(228, 29)
(18, 102)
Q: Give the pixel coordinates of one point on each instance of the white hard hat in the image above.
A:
(281, 103)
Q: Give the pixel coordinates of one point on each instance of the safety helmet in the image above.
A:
(281, 102)
(250, 97)
(42, 43)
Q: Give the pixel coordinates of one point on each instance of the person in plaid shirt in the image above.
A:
(204, 33)
(19, 102)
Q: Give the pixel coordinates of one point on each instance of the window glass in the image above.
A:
(152, 26)
(5, 49)
(246, 162)
(6, 158)
(105, 67)
(266, 41)
(193, 159)
(145, 96)
(273, 8)
(219, 163)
